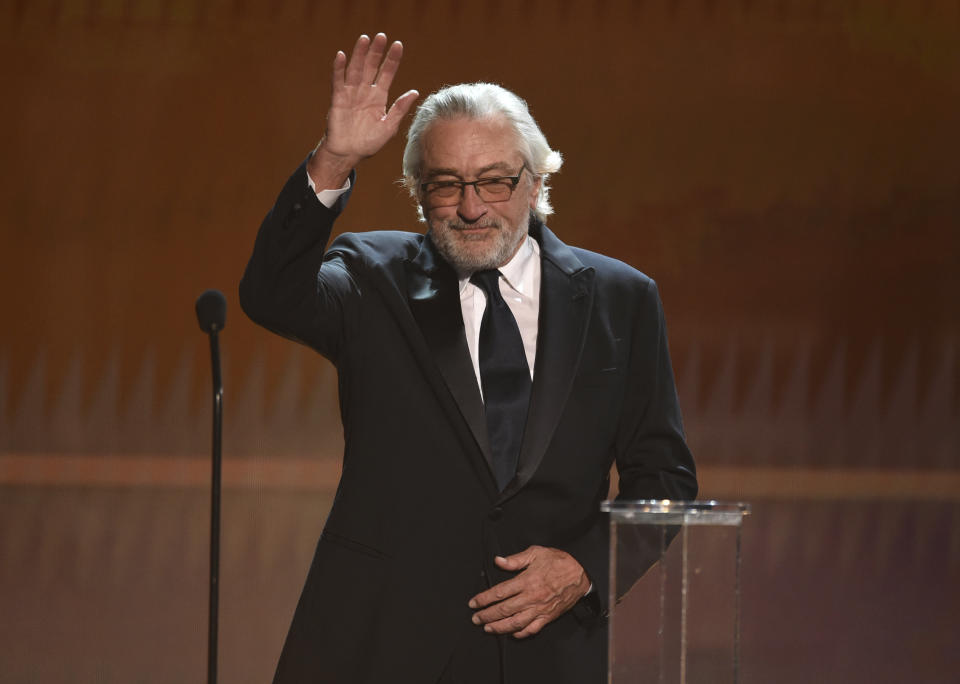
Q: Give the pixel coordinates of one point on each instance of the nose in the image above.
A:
(471, 208)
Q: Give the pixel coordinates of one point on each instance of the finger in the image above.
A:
(534, 627)
(496, 593)
(357, 58)
(339, 66)
(512, 624)
(371, 64)
(390, 65)
(400, 108)
(502, 610)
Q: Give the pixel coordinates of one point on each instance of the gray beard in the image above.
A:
(450, 242)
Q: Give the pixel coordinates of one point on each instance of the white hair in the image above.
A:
(477, 101)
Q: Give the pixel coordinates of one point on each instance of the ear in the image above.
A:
(420, 200)
(535, 190)
(423, 210)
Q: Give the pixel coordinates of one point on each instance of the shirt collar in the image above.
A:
(517, 273)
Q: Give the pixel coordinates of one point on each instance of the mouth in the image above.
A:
(473, 229)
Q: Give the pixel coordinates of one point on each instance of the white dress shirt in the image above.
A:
(520, 287)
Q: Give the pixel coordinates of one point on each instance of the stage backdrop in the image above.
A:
(787, 170)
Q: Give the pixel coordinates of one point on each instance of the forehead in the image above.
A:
(469, 146)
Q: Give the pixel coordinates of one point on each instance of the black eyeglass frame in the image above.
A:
(426, 188)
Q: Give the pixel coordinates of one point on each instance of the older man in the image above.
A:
(489, 376)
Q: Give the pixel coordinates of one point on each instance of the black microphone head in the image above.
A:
(211, 311)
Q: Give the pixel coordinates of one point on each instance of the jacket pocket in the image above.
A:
(352, 545)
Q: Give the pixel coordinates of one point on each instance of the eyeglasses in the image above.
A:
(448, 193)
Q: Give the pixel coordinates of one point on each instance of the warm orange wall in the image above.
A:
(786, 170)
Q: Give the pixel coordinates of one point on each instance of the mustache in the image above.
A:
(457, 224)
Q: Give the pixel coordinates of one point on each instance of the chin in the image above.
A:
(468, 253)
(469, 260)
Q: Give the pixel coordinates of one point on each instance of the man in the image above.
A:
(489, 378)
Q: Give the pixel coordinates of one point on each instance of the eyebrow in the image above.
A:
(496, 166)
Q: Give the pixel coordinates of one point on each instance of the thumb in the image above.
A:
(401, 106)
(517, 561)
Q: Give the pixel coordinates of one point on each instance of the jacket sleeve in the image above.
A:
(652, 457)
(284, 287)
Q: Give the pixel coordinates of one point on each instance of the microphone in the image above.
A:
(211, 311)
(212, 315)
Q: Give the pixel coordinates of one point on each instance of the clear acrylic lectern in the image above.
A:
(674, 592)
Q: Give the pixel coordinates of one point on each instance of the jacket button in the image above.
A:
(495, 514)
(297, 207)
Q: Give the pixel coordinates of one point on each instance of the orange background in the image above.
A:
(787, 171)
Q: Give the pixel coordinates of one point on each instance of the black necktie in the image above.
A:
(504, 376)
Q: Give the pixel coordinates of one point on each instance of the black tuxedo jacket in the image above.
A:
(417, 518)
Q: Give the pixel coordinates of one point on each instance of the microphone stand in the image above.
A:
(211, 315)
(215, 509)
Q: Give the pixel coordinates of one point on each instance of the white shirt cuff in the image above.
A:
(328, 197)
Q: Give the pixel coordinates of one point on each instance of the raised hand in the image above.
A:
(359, 122)
(550, 583)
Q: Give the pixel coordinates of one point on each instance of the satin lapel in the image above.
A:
(565, 301)
(435, 302)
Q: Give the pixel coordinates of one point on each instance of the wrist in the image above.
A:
(329, 170)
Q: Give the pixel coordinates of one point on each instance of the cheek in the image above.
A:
(438, 213)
